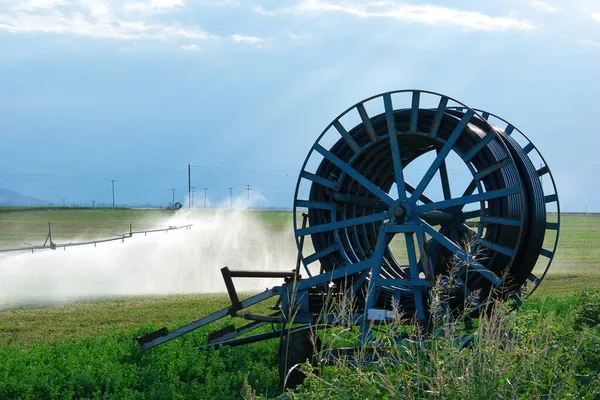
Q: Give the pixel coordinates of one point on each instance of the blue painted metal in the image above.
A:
(461, 201)
(315, 256)
(343, 224)
(321, 181)
(314, 204)
(351, 142)
(500, 249)
(462, 255)
(478, 147)
(395, 147)
(414, 113)
(353, 217)
(443, 153)
(210, 318)
(414, 275)
(354, 174)
(367, 123)
(438, 116)
(445, 180)
(500, 221)
(491, 169)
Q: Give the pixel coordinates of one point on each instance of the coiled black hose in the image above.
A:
(374, 161)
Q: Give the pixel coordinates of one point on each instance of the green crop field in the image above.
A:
(87, 349)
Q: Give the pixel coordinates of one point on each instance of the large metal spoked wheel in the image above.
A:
(358, 200)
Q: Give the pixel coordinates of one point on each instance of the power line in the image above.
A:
(259, 173)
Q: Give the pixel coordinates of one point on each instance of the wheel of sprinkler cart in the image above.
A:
(353, 185)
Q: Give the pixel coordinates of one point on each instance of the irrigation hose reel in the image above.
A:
(482, 214)
(360, 200)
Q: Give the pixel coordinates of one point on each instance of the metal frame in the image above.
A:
(408, 212)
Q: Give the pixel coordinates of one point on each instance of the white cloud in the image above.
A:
(95, 19)
(190, 47)
(81, 25)
(542, 6)
(588, 41)
(596, 16)
(25, 5)
(426, 14)
(96, 8)
(247, 39)
(152, 6)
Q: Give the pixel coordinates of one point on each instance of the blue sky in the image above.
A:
(93, 90)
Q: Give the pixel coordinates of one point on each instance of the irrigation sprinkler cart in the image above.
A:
(486, 237)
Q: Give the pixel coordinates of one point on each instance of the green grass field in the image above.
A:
(86, 350)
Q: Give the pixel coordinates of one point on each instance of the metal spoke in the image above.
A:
(443, 153)
(439, 114)
(361, 201)
(472, 214)
(357, 176)
(461, 201)
(470, 189)
(414, 113)
(320, 180)
(347, 137)
(314, 204)
(479, 146)
(497, 248)
(461, 254)
(367, 123)
(500, 221)
(320, 254)
(436, 217)
(492, 168)
(422, 197)
(445, 180)
(345, 223)
(395, 147)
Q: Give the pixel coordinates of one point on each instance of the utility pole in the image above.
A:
(93, 203)
(189, 186)
(64, 202)
(248, 197)
(173, 202)
(113, 191)
(193, 195)
(231, 198)
(205, 189)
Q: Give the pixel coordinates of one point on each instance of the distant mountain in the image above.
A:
(11, 198)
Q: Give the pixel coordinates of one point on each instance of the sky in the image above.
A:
(94, 90)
